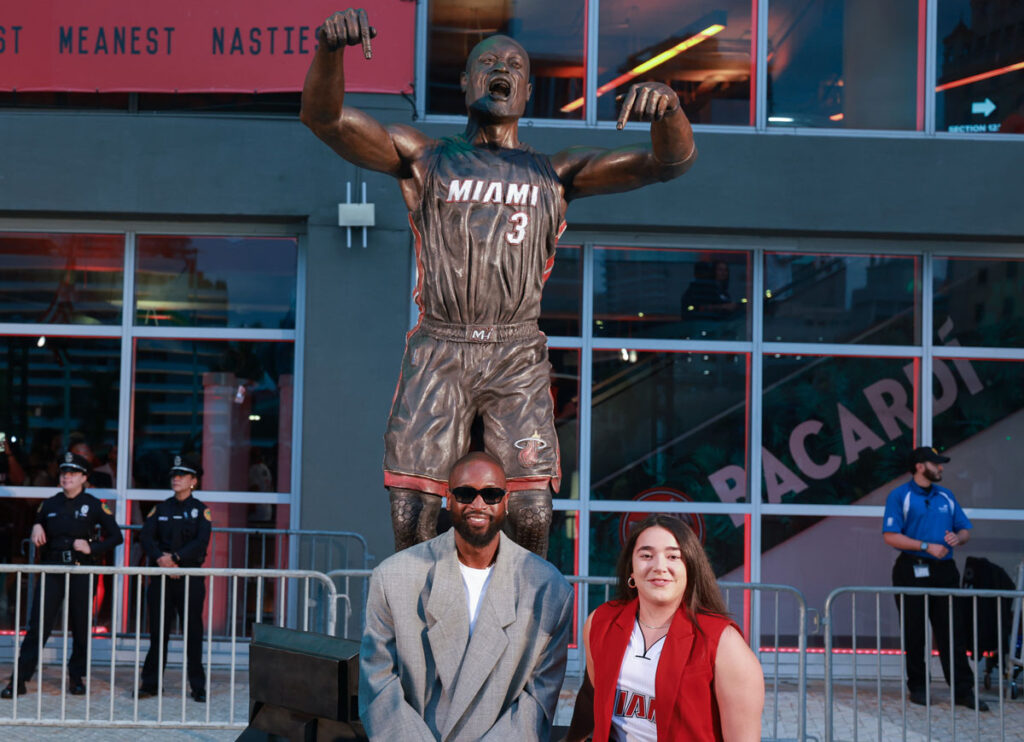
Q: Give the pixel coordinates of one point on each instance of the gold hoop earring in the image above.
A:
(631, 582)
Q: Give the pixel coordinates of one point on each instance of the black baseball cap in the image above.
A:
(926, 453)
(187, 464)
(73, 462)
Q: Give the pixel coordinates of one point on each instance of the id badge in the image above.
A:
(921, 570)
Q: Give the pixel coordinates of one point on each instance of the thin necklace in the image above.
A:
(653, 628)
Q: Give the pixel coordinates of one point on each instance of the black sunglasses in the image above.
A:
(466, 495)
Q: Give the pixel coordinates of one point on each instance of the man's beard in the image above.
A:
(933, 476)
(476, 538)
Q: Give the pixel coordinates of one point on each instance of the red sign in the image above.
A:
(192, 46)
(662, 494)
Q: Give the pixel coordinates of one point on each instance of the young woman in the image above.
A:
(665, 661)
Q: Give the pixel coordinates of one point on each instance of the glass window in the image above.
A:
(57, 392)
(701, 49)
(229, 400)
(979, 67)
(215, 281)
(843, 64)
(979, 302)
(669, 293)
(979, 424)
(553, 35)
(61, 278)
(560, 305)
(836, 430)
(833, 298)
(565, 391)
(668, 420)
(789, 543)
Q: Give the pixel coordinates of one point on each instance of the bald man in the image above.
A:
(466, 634)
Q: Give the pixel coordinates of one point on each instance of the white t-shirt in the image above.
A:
(633, 711)
(475, 581)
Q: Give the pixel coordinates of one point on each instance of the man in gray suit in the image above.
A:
(466, 634)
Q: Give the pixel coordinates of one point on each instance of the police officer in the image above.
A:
(176, 534)
(925, 522)
(66, 532)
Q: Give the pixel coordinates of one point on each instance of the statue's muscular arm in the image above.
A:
(592, 171)
(397, 149)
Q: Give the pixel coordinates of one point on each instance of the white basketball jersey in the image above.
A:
(633, 712)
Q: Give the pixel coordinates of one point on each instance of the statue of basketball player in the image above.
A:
(486, 211)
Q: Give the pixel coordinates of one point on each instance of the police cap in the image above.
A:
(73, 462)
(187, 464)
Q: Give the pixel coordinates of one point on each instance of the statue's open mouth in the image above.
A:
(500, 88)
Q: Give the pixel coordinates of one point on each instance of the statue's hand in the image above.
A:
(348, 28)
(647, 101)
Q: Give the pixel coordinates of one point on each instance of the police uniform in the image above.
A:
(486, 230)
(925, 515)
(64, 520)
(180, 528)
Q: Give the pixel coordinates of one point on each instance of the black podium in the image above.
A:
(302, 686)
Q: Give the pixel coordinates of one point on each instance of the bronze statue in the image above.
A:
(486, 211)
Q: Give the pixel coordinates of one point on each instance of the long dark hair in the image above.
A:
(701, 595)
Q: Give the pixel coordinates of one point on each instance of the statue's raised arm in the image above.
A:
(356, 136)
(591, 171)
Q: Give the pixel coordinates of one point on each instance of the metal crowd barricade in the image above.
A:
(268, 548)
(888, 666)
(317, 603)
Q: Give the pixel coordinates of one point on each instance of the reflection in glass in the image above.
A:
(832, 298)
(843, 64)
(215, 281)
(668, 420)
(231, 401)
(979, 422)
(61, 278)
(701, 49)
(980, 67)
(979, 302)
(837, 430)
(789, 543)
(565, 391)
(55, 391)
(560, 305)
(552, 33)
(668, 293)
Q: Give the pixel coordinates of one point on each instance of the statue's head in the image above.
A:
(497, 79)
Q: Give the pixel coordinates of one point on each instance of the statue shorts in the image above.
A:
(453, 373)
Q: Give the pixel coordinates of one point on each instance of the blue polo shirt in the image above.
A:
(924, 515)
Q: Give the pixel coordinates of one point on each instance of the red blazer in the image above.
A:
(684, 705)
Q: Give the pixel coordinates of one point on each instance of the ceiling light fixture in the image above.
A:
(651, 63)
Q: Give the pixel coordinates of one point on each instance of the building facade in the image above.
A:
(756, 346)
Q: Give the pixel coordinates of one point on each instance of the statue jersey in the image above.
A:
(486, 230)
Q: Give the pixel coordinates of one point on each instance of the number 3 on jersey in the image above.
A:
(519, 220)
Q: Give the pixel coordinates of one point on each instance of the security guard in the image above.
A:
(176, 534)
(925, 522)
(66, 532)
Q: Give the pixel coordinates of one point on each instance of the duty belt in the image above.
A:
(68, 556)
(479, 333)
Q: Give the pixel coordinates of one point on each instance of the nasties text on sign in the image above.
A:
(262, 46)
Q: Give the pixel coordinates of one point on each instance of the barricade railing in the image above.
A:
(880, 662)
(121, 655)
(247, 548)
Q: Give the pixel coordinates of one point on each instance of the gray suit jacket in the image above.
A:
(422, 677)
